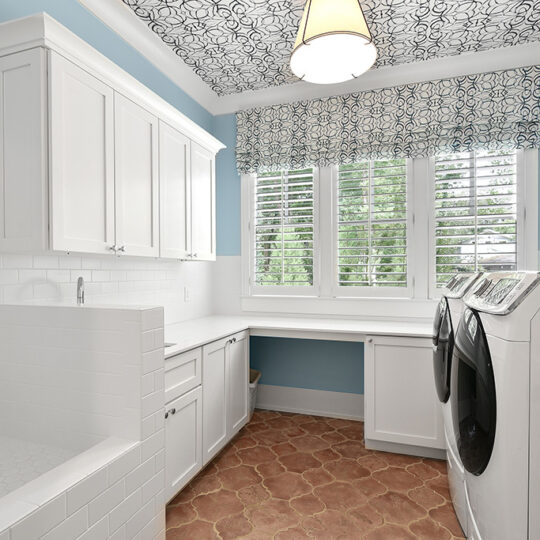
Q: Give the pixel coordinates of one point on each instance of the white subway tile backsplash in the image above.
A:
(121, 466)
(8, 277)
(86, 490)
(127, 508)
(71, 528)
(120, 534)
(153, 444)
(41, 521)
(45, 261)
(143, 517)
(140, 475)
(98, 531)
(153, 486)
(102, 504)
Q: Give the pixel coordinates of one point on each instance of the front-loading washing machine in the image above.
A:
(492, 387)
(445, 324)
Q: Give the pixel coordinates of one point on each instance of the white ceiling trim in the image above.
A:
(121, 19)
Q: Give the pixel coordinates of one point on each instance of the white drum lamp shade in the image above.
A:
(333, 43)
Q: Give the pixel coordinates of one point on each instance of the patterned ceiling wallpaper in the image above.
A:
(238, 45)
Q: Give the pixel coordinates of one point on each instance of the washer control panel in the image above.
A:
(501, 292)
(460, 284)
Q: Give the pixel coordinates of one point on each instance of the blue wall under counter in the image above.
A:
(336, 366)
(89, 28)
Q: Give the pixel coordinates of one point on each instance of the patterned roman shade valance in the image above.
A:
(496, 110)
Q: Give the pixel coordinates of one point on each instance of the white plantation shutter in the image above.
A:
(475, 213)
(372, 224)
(284, 229)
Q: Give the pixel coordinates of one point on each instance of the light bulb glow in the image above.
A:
(333, 43)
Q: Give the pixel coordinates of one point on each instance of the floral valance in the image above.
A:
(497, 110)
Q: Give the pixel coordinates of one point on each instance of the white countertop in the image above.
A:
(196, 332)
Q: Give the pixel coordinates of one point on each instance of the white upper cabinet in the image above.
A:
(203, 202)
(91, 160)
(82, 159)
(136, 179)
(174, 193)
(23, 157)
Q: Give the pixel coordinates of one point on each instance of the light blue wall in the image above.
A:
(306, 363)
(81, 22)
(228, 193)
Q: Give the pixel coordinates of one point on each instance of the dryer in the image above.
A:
(493, 384)
(445, 324)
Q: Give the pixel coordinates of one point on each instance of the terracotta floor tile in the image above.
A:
(293, 477)
(257, 455)
(330, 525)
(340, 495)
(179, 515)
(351, 449)
(390, 532)
(426, 497)
(422, 470)
(272, 516)
(309, 443)
(346, 469)
(366, 518)
(272, 468)
(252, 495)
(239, 477)
(318, 477)
(427, 529)
(397, 508)
(307, 504)
(283, 449)
(201, 530)
(296, 533)
(287, 486)
(233, 527)
(446, 516)
(397, 479)
(217, 505)
(299, 462)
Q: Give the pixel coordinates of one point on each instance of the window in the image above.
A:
(284, 235)
(476, 219)
(372, 224)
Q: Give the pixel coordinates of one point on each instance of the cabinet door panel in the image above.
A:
(401, 400)
(82, 163)
(214, 383)
(203, 235)
(238, 369)
(23, 158)
(174, 193)
(136, 175)
(183, 441)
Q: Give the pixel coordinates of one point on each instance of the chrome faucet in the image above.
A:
(80, 291)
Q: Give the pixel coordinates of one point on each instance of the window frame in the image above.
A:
(324, 300)
(527, 248)
(340, 291)
(282, 290)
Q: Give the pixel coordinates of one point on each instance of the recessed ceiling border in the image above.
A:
(117, 16)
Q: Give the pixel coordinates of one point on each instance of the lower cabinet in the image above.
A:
(401, 404)
(225, 374)
(183, 441)
(205, 417)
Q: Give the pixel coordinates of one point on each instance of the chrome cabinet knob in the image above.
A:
(122, 249)
(112, 248)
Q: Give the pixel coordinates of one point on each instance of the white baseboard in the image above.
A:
(305, 401)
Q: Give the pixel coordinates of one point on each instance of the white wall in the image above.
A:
(111, 280)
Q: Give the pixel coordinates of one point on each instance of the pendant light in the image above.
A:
(333, 43)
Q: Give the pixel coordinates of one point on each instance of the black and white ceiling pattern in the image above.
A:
(238, 45)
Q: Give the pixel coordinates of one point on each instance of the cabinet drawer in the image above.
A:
(182, 373)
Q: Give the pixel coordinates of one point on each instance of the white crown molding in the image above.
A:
(120, 18)
(41, 30)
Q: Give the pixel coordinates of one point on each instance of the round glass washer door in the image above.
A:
(443, 346)
(472, 394)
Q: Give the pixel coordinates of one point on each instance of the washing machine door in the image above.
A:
(472, 394)
(443, 346)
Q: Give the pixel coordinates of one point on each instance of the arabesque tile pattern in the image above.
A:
(292, 477)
